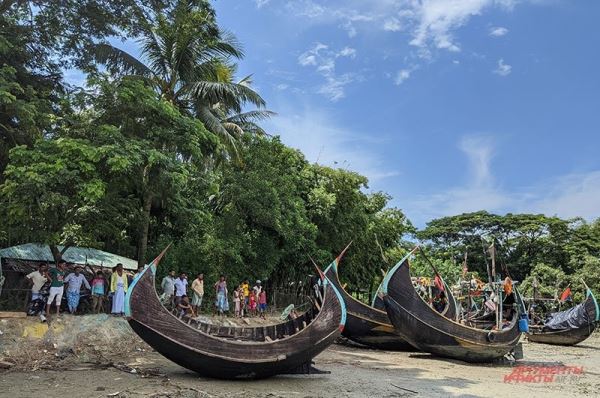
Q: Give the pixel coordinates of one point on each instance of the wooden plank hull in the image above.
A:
(563, 337)
(229, 358)
(364, 324)
(429, 331)
(569, 336)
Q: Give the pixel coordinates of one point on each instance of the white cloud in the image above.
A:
(402, 76)
(572, 195)
(347, 52)
(429, 23)
(502, 69)
(323, 59)
(392, 25)
(329, 142)
(334, 86)
(349, 28)
(498, 31)
(567, 196)
(261, 3)
(282, 86)
(307, 59)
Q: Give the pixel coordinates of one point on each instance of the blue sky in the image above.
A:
(448, 105)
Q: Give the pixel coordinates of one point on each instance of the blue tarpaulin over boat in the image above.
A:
(572, 318)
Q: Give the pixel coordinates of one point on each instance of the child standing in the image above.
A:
(252, 303)
(262, 303)
(236, 302)
(98, 292)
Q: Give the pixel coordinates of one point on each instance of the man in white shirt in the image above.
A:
(180, 287)
(74, 281)
(168, 287)
(257, 288)
(38, 279)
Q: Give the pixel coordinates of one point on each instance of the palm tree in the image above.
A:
(187, 58)
(225, 114)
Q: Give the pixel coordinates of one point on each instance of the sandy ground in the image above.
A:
(355, 372)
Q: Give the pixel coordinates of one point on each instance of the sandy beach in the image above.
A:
(80, 359)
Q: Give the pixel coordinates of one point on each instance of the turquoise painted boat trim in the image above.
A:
(152, 268)
(589, 293)
(341, 300)
(386, 280)
(334, 265)
(379, 289)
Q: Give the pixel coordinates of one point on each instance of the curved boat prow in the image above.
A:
(234, 352)
(430, 331)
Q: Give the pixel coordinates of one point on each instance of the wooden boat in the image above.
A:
(583, 321)
(235, 352)
(428, 330)
(370, 325)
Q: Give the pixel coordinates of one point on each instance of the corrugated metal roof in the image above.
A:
(74, 255)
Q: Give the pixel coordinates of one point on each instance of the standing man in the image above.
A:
(57, 286)
(180, 287)
(74, 281)
(198, 292)
(168, 287)
(246, 290)
(257, 288)
(37, 279)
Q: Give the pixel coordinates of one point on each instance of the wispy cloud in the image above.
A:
(428, 23)
(392, 25)
(401, 76)
(347, 52)
(330, 142)
(498, 31)
(480, 151)
(323, 59)
(261, 3)
(570, 195)
(502, 69)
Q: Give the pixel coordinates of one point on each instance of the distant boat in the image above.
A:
(429, 331)
(235, 352)
(370, 325)
(568, 327)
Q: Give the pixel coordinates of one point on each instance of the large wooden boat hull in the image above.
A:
(570, 336)
(429, 331)
(229, 358)
(364, 324)
(563, 337)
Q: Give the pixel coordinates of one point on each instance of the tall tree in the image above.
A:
(161, 147)
(187, 58)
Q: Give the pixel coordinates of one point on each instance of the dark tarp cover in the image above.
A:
(573, 318)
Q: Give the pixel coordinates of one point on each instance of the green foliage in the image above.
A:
(587, 270)
(521, 240)
(148, 157)
(550, 282)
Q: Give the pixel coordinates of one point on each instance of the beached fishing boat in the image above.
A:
(235, 352)
(429, 331)
(370, 325)
(568, 327)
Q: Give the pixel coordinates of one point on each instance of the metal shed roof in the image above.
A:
(74, 255)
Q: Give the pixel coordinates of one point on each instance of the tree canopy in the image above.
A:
(168, 147)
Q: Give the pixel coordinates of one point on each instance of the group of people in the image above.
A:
(247, 302)
(48, 288)
(56, 279)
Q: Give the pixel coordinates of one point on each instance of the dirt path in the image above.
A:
(355, 372)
